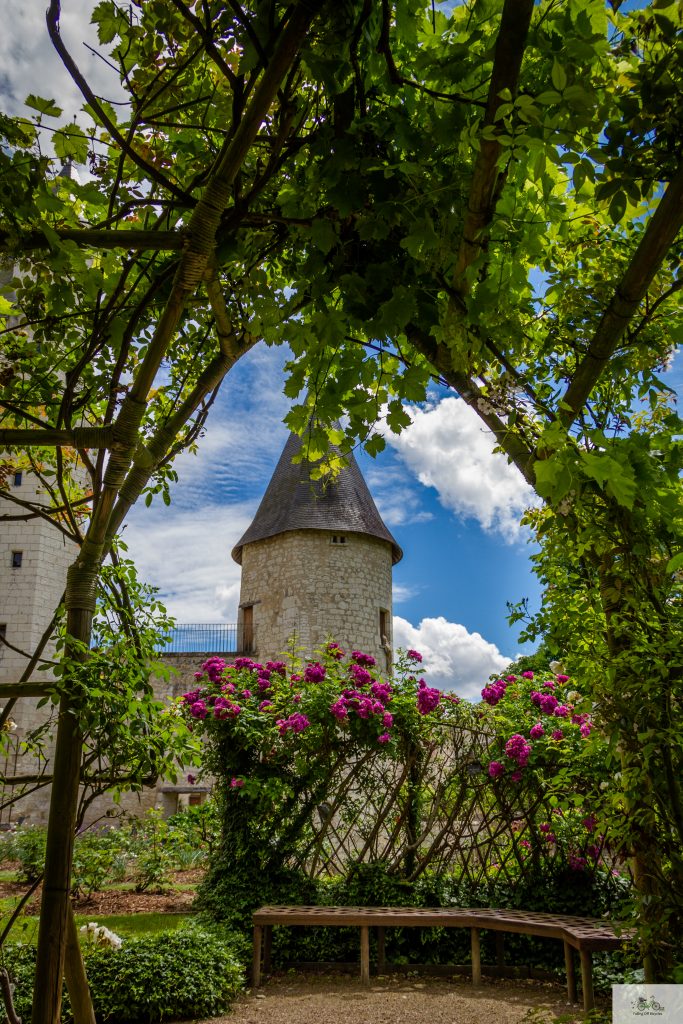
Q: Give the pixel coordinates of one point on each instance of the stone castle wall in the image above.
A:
(29, 595)
(315, 583)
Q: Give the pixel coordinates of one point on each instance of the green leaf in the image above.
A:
(44, 106)
(71, 143)
(323, 234)
(558, 76)
(675, 563)
(107, 18)
(617, 207)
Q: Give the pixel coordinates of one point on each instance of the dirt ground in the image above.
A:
(339, 999)
(119, 901)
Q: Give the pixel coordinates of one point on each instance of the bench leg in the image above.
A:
(365, 954)
(256, 962)
(476, 957)
(587, 979)
(267, 946)
(571, 976)
(381, 951)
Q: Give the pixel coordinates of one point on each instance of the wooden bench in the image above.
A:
(585, 934)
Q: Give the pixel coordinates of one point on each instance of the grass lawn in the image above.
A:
(25, 929)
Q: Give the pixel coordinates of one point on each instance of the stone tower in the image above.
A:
(34, 557)
(316, 562)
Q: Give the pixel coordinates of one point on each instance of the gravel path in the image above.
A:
(328, 999)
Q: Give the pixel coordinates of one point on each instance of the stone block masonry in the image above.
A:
(318, 584)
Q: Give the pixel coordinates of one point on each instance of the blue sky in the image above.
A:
(452, 505)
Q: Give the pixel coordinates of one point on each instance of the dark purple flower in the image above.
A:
(427, 698)
(414, 655)
(315, 672)
(576, 863)
(224, 708)
(518, 749)
(340, 709)
(360, 658)
(295, 723)
(493, 692)
(496, 769)
(382, 691)
(276, 666)
(548, 703)
(198, 709)
(361, 676)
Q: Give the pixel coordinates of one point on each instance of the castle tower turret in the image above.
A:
(316, 561)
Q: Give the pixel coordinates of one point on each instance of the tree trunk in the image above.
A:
(74, 971)
(53, 932)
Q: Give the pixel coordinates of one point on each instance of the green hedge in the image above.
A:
(232, 899)
(174, 975)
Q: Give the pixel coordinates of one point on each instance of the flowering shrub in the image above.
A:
(544, 719)
(545, 742)
(323, 704)
(274, 735)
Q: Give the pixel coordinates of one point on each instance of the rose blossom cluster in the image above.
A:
(246, 685)
(365, 705)
(295, 723)
(427, 698)
(548, 699)
(518, 749)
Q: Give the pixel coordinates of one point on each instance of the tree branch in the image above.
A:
(657, 239)
(98, 238)
(507, 62)
(509, 441)
(78, 437)
(208, 41)
(52, 17)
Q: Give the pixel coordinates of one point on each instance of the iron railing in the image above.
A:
(207, 638)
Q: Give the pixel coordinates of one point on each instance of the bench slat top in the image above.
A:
(582, 932)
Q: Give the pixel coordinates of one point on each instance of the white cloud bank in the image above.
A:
(454, 659)
(448, 448)
(187, 556)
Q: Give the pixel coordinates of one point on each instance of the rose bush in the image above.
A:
(543, 737)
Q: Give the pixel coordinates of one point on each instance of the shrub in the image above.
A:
(173, 975)
(29, 850)
(93, 863)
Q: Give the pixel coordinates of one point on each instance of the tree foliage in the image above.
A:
(489, 193)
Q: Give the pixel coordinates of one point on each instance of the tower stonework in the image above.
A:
(34, 557)
(316, 562)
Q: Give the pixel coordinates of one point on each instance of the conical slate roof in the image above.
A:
(295, 502)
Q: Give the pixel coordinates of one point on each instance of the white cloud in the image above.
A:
(187, 556)
(398, 503)
(448, 448)
(454, 659)
(29, 62)
(404, 592)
